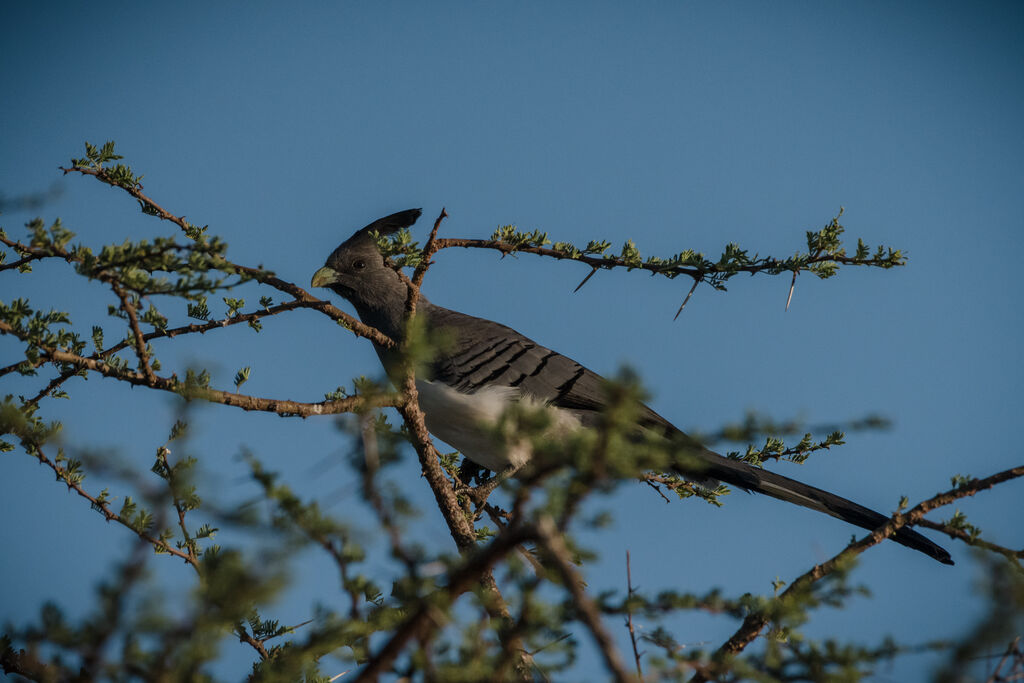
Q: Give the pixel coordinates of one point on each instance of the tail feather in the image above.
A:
(751, 478)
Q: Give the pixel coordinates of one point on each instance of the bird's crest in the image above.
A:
(391, 224)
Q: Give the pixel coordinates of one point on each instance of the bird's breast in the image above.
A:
(470, 422)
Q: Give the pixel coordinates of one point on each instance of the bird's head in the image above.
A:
(356, 269)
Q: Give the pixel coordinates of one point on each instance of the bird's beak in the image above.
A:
(323, 277)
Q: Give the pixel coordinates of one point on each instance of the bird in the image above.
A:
(486, 367)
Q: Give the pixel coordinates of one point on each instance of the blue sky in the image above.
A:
(678, 125)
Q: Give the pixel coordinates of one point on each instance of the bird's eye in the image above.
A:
(359, 264)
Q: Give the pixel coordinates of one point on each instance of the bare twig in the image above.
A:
(629, 620)
(962, 535)
(429, 249)
(133, 322)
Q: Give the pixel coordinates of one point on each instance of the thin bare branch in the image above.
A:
(133, 322)
(629, 620)
(429, 249)
(967, 538)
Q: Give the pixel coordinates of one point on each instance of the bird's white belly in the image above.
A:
(468, 422)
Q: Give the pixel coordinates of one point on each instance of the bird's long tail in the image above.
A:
(751, 478)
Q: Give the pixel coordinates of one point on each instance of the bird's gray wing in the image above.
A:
(482, 353)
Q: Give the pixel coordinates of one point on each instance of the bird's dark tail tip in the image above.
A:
(914, 540)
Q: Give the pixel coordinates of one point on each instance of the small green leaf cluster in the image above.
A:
(40, 329)
(827, 242)
(959, 522)
(234, 306)
(775, 448)
(133, 265)
(567, 249)
(399, 248)
(196, 384)
(137, 518)
(198, 309)
(51, 240)
(21, 420)
(511, 236)
(96, 159)
(242, 376)
(961, 481)
(361, 386)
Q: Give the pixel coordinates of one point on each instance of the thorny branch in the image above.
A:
(609, 262)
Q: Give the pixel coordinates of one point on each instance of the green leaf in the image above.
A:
(242, 376)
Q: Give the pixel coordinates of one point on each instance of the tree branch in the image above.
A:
(609, 262)
(754, 623)
(961, 535)
(243, 401)
(140, 343)
(104, 509)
